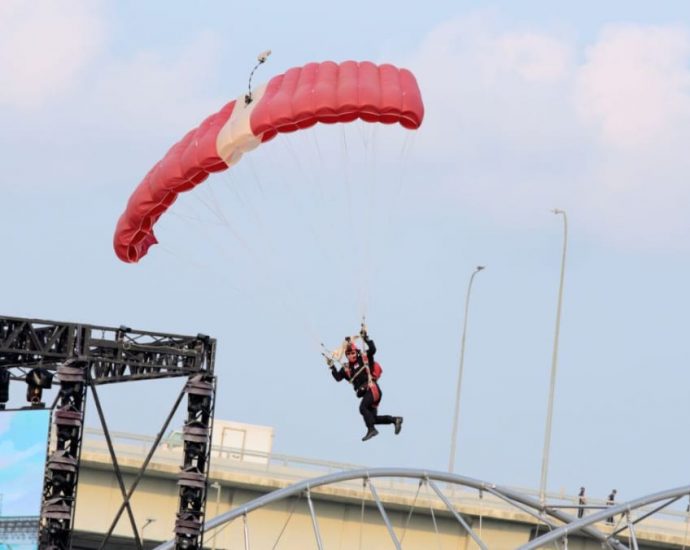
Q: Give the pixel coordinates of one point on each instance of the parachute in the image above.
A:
(325, 92)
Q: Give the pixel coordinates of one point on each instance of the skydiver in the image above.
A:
(363, 372)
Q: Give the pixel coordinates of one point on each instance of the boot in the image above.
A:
(370, 433)
(398, 424)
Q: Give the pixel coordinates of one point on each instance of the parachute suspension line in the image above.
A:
(261, 263)
(202, 268)
(248, 206)
(402, 172)
(215, 205)
(218, 246)
(261, 58)
(352, 217)
(255, 176)
(394, 203)
(407, 146)
(211, 205)
(266, 259)
(346, 174)
(323, 250)
(225, 223)
(409, 515)
(189, 218)
(290, 139)
(370, 216)
(291, 511)
(308, 222)
(321, 162)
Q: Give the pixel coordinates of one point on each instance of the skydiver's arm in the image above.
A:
(371, 348)
(338, 375)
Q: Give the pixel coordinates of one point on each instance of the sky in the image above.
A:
(529, 106)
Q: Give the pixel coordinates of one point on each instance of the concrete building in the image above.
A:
(347, 514)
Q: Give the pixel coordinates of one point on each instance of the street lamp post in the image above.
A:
(554, 365)
(148, 522)
(454, 435)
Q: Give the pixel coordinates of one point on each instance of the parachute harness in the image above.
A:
(333, 357)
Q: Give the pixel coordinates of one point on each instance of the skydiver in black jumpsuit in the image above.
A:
(357, 372)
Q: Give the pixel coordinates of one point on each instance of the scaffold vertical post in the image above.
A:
(62, 464)
(197, 432)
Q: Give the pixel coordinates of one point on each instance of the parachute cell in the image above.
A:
(325, 92)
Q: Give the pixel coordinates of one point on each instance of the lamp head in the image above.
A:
(37, 380)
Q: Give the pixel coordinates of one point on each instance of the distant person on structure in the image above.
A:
(610, 502)
(363, 372)
(581, 503)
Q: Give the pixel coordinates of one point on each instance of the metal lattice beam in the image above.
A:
(114, 354)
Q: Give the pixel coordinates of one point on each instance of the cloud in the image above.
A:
(520, 121)
(634, 84)
(153, 93)
(77, 93)
(9, 456)
(44, 46)
(21, 487)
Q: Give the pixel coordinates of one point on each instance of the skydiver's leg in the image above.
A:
(367, 411)
(376, 395)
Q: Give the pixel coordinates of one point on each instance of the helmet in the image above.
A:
(349, 347)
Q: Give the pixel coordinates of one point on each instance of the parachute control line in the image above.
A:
(325, 92)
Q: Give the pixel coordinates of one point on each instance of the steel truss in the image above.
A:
(84, 357)
(628, 520)
(554, 518)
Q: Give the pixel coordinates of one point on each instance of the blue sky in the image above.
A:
(529, 106)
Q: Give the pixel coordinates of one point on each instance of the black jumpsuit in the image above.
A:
(358, 374)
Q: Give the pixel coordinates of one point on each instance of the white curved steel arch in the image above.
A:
(670, 496)
(527, 504)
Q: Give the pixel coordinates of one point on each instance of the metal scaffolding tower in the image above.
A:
(83, 357)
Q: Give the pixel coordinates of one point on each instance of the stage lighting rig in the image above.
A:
(37, 380)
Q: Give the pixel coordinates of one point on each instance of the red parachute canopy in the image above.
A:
(318, 92)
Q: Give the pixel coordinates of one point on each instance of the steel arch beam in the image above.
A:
(309, 484)
(581, 524)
